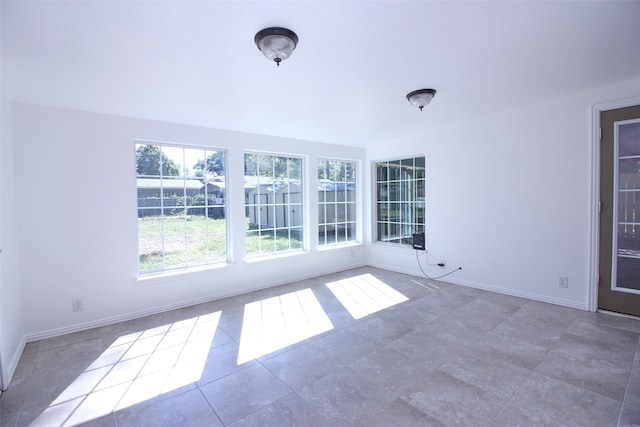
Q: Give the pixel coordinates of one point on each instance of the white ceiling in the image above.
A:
(196, 62)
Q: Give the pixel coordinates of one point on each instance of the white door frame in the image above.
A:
(594, 252)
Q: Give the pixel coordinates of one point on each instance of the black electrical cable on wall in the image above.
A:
(437, 277)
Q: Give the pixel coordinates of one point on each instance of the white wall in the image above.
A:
(508, 198)
(75, 178)
(11, 324)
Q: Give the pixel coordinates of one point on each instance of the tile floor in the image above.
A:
(365, 347)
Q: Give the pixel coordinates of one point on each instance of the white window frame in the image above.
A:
(212, 207)
(410, 204)
(616, 223)
(273, 208)
(348, 224)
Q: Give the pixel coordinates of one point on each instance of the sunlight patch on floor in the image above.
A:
(135, 367)
(275, 323)
(429, 285)
(365, 294)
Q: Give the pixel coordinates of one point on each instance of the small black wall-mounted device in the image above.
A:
(418, 241)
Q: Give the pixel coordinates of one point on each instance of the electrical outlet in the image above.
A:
(563, 281)
(76, 304)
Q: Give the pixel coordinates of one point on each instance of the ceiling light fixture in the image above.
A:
(421, 97)
(276, 43)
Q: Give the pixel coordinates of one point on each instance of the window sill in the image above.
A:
(322, 248)
(267, 257)
(395, 246)
(171, 275)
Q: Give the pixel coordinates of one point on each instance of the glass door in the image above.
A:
(619, 288)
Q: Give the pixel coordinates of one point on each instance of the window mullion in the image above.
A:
(175, 228)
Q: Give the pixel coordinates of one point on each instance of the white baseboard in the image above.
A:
(161, 309)
(155, 310)
(522, 294)
(13, 364)
(528, 295)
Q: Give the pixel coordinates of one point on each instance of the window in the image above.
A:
(400, 199)
(181, 207)
(273, 203)
(336, 202)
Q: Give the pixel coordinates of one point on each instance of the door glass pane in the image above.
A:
(626, 261)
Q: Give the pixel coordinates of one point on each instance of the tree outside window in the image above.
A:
(181, 207)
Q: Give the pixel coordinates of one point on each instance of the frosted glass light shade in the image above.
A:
(421, 97)
(276, 43)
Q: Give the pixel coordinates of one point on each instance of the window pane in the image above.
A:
(383, 172)
(268, 240)
(322, 169)
(251, 165)
(295, 220)
(322, 234)
(176, 227)
(217, 237)
(400, 199)
(407, 164)
(394, 172)
(295, 239)
(628, 237)
(629, 206)
(419, 213)
(295, 169)
(406, 171)
(197, 245)
(331, 235)
(151, 254)
(383, 231)
(175, 252)
(335, 192)
(350, 231)
(252, 242)
(629, 140)
(282, 240)
(280, 168)
(273, 203)
(419, 190)
(350, 173)
(173, 224)
(394, 191)
(420, 168)
(392, 211)
(322, 216)
(148, 160)
(193, 161)
(383, 191)
(265, 168)
(150, 226)
(351, 212)
(383, 212)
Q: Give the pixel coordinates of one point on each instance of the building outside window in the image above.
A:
(181, 207)
(400, 200)
(273, 203)
(337, 202)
